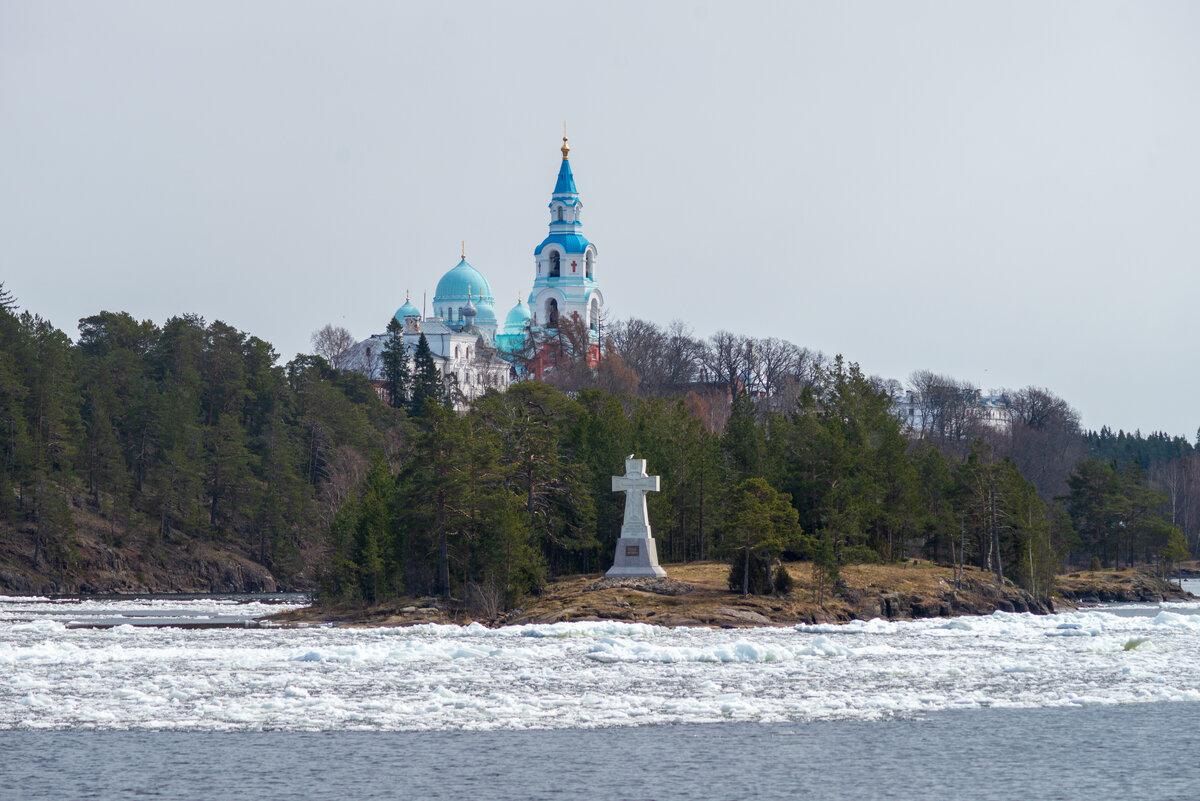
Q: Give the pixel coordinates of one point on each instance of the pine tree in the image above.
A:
(760, 522)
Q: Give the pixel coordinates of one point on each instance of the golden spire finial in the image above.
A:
(406, 296)
(566, 149)
(464, 250)
(518, 298)
(468, 293)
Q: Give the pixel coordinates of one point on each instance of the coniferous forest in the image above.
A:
(147, 438)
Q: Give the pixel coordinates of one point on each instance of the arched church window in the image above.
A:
(552, 313)
(595, 314)
(589, 259)
(456, 351)
(559, 210)
(554, 268)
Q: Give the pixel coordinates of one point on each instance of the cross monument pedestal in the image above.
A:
(637, 553)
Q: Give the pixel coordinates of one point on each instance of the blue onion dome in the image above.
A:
(462, 284)
(407, 310)
(518, 317)
(461, 280)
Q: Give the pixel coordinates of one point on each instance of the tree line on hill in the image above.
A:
(192, 431)
(738, 437)
(187, 431)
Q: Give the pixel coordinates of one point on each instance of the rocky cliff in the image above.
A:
(101, 562)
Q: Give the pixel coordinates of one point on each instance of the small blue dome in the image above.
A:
(460, 280)
(517, 318)
(407, 310)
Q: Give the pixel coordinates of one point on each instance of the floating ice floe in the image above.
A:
(583, 674)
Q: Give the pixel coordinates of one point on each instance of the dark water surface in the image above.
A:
(1146, 752)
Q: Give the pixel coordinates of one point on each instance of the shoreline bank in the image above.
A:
(697, 595)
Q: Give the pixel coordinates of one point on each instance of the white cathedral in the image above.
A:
(468, 345)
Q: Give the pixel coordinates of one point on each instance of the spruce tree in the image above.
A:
(395, 365)
(427, 380)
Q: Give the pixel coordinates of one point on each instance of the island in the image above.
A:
(697, 594)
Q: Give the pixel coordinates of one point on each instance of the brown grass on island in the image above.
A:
(909, 589)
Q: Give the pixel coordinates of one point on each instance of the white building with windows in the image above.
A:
(463, 352)
(955, 415)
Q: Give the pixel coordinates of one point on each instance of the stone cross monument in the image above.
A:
(637, 554)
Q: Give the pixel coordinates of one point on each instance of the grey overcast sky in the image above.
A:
(1003, 192)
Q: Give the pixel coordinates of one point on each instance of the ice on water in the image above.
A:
(571, 674)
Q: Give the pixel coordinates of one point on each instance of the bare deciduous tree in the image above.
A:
(727, 359)
(1041, 409)
(770, 361)
(614, 376)
(665, 360)
(1180, 480)
(948, 408)
(681, 357)
(333, 343)
(1046, 441)
(368, 360)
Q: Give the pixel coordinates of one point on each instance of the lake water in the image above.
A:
(1089, 704)
(1142, 751)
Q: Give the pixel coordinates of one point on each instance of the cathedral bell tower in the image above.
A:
(564, 285)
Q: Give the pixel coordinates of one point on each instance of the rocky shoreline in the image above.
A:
(692, 595)
(697, 595)
(1101, 587)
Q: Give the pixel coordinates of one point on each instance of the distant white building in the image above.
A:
(954, 413)
(463, 353)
